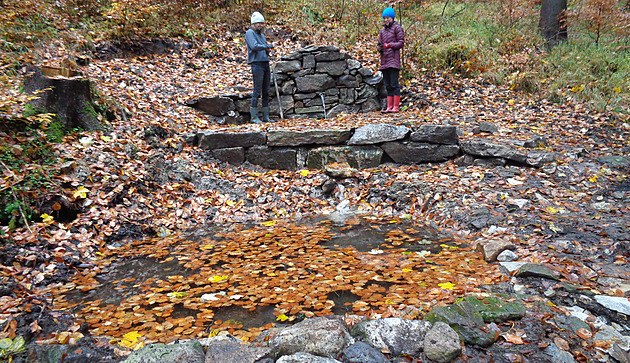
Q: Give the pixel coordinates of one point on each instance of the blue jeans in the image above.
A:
(390, 78)
(262, 83)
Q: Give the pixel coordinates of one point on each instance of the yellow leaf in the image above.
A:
(407, 270)
(593, 179)
(46, 218)
(282, 317)
(177, 294)
(577, 89)
(551, 210)
(230, 202)
(130, 340)
(446, 286)
(206, 247)
(305, 173)
(510, 102)
(269, 223)
(106, 138)
(132, 336)
(218, 278)
(617, 89)
(81, 192)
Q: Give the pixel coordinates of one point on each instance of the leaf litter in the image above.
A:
(117, 190)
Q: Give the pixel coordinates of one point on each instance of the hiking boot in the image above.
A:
(253, 112)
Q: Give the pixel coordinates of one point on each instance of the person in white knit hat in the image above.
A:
(258, 58)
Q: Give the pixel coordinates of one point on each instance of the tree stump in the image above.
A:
(65, 93)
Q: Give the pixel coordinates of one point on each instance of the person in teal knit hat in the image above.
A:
(391, 40)
(258, 58)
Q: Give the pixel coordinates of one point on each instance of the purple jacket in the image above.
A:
(395, 36)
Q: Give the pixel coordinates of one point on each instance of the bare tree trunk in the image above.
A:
(553, 21)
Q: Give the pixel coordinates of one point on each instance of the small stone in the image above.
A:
(488, 127)
(519, 289)
(536, 270)
(492, 248)
(442, 343)
(557, 355)
(507, 256)
(550, 292)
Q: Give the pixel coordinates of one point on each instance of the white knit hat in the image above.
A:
(257, 18)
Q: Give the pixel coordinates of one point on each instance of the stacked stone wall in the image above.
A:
(316, 82)
(364, 147)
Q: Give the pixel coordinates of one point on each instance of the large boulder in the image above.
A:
(442, 344)
(464, 318)
(190, 351)
(231, 350)
(399, 336)
(325, 336)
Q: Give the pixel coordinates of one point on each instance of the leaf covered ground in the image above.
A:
(138, 180)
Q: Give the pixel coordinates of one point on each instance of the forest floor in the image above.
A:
(141, 193)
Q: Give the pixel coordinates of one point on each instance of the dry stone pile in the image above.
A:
(316, 81)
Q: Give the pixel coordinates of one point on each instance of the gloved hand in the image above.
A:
(387, 45)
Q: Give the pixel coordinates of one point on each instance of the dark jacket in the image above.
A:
(256, 46)
(395, 36)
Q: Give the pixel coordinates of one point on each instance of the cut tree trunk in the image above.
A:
(65, 93)
(553, 21)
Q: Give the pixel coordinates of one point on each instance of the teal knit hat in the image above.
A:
(389, 12)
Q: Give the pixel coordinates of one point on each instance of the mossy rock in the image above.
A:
(464, 318)
(497, 310)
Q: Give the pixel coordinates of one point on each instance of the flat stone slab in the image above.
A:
(227, 139)
(378, 133)
(273, 158)
(484, 148)
(616, 303)
(496, 310)
(360, 157)
(436, 134)
(417, 153)
(536, 270)
(285, 137)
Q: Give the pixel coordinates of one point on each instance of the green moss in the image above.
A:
(55, 132)
(30, 110)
